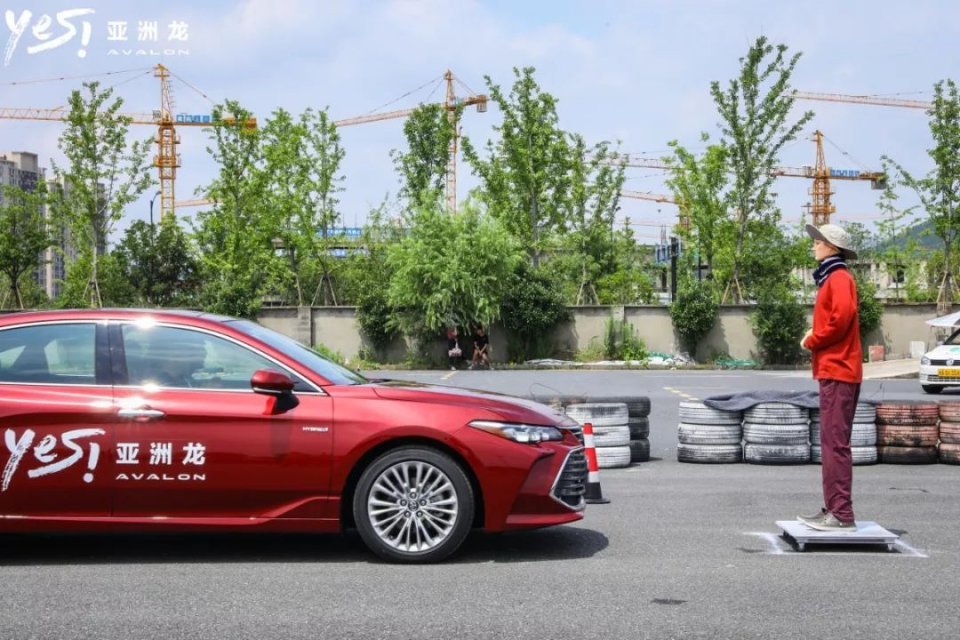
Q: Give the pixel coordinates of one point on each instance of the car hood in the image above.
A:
(945, 352)
(510, 408)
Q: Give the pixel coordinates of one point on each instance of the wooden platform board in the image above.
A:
(867, 533)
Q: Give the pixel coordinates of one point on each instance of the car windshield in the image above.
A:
(954, 339)
(328, 369)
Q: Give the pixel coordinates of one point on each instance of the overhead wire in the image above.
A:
(77, 77)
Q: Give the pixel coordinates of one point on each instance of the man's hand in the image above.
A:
(803, 341)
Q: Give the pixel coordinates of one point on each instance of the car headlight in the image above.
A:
(525, 433)
(924, 360)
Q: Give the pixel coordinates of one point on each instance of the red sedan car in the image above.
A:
(186, 421)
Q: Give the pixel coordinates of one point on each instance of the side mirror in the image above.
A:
(271, 382)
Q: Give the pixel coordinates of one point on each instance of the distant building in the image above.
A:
(22, 169)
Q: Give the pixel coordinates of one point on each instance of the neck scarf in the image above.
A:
(826, 268)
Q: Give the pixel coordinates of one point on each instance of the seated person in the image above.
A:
(481, 349)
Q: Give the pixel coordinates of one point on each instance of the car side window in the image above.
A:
(49, 354)
(183, 358)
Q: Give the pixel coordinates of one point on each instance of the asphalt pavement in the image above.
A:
(682, 551)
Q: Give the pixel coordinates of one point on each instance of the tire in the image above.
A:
(639, 450)
(949, 453)
(932, 389)
(950, 411)
(611, 436)
(863, 434)
(777, 434)
(907, 455)
(860, 455)
(709, 433)
(899, 435)
(637, 406)
(613, 457)
(710, 453)
(950, 432)
(776, 413)
(599, 414)
(908, 413)
(776, 453)
(388, 540)
(699, 413)
(639, 428)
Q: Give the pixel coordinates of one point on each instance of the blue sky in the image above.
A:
(637, 72)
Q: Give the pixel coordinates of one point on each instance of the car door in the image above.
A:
(195, 441)
(56, 420)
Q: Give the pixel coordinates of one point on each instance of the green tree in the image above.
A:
(158, 262)
(103, 175)
(429, 131)
(366, 275)
(939, 190)
(301, 178)
(698, 184)
(23, 235)
(235, 239)
(450, 270)
(755, 120)
(524, 179)
(631, 280)
(891, 243)
(589, 210)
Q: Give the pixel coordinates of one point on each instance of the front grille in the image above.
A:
(571, 482)
(577, 431)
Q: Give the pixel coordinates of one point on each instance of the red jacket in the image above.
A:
(835, 341)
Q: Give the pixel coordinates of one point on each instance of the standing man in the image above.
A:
(838, 366)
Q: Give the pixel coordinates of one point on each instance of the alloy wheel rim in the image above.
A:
(413, 506)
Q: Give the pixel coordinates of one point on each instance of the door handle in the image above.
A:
(141, 415)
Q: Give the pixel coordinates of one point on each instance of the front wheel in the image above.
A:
(413, 505)
(929, 388)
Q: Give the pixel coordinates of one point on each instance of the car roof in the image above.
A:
(18, 317)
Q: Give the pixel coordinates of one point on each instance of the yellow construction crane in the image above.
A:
(874, 100)
(166, 160)
(819, 207)
(451, 103)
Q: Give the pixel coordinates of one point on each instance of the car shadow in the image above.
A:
(558, 543)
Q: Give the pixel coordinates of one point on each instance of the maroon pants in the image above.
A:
(838, 405)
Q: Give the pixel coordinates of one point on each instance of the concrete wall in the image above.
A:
(336, 328)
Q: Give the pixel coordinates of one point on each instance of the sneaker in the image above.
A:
(453, 368)
(817, 517)
(830, 523)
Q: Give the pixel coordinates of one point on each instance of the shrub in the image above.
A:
(870, 310)
(779, 323)
(694, 312)
(532, 307)
(622, 343)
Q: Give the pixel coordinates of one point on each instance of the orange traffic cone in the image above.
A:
(594, 492)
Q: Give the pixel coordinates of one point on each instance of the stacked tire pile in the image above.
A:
(863, 437)
(950, 432)
(708, 435)
(907, 432)
(611, 430)
(776, 433)
(638, 420)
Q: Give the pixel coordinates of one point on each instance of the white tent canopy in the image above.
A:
(951, 320)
